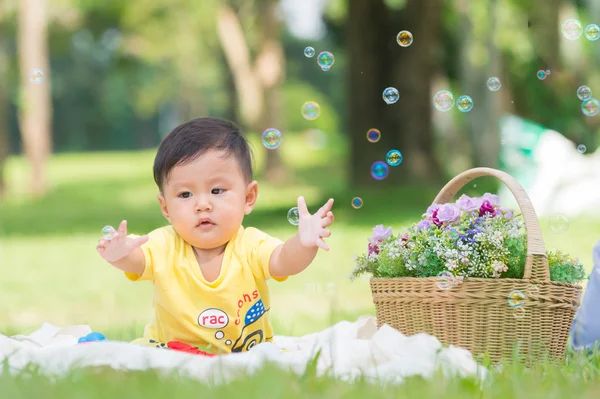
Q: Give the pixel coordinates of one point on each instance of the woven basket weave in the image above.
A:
(475, 315)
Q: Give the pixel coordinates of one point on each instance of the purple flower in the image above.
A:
(468, 204)
(432, 208)
(492, 198)
(487, 207)
(448, 213)
(508, 214)
(434, 217)
(380, 233)
(423, 224)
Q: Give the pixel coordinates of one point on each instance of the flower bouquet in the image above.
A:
(475, 275)
(473, 237)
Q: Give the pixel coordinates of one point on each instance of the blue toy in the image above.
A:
(92, 337)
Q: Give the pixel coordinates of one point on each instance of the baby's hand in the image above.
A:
(311, 228)
(120, 245)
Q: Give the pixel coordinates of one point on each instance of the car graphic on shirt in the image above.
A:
(250, 337)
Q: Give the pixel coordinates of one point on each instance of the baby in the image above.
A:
(209, 272)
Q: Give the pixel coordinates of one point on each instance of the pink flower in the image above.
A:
(373, 248)
(492, 198)
(434, 217)
(380, 233)
(431, 209)
(487, 207)
(448, 213)
(468, 204)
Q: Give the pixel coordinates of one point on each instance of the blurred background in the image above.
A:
(88, 88)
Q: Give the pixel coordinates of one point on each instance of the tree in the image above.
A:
(35, 106)
(258, 82)
(377, 62)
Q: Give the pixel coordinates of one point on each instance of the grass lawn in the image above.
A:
(51, 272)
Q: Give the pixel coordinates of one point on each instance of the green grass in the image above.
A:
(51, 272)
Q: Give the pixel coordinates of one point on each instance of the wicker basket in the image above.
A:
(475, 315)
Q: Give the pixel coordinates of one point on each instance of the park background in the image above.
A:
(76, 150)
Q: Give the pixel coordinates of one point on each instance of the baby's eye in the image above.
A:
(217, 191)
(185, 194)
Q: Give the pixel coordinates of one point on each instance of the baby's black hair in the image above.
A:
(190, 140)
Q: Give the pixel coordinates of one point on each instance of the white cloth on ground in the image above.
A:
(348, 351)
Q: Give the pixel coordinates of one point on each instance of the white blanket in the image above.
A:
(348, 350)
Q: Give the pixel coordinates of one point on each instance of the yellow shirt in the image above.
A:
(231, 313)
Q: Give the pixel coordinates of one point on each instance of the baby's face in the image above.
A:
(206, 199)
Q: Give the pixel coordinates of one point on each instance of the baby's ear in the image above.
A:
(251, 196)
(163, 206)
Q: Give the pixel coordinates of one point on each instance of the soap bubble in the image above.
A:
(559, 223)
(445, 280)
(293, 217)
(494, 84)
(311, 110)
(464, 103)
(271, 138)
(516, 299)
(393, 157)
(109, 232)
(357, 202)
(373, 135)
(36, 76)
(391, 95)
(590, 107)
(533, 291)
(592, 32)
(541, 74)
(581, 148)
(519, 313)
(325, 60)
(443, 100)
(309, 52)
(404, 38)
(379, 170)
(548, 73)
(572, 29)
(584, 92)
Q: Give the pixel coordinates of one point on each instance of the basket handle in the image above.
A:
(536, 264)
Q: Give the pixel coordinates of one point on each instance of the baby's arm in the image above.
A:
(124, 252)
(298, 252)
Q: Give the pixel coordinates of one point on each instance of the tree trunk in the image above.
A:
(377, 62)
(482, 121)
(270, 67)
(35, 108)
(4, 150)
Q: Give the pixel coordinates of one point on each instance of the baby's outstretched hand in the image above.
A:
(312, 228)
(120, 245)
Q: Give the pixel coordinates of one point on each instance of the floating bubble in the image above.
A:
(548, 73)
(581, 148)
(391, 95)
(404, 38)
(357, 202)
(293, 217)
(533, 291)
(592, 32)
(516, 299)
(315, 139)
(325, 60)
(379, 170)
(584, 92)
(541, 74)
(464, 103)
(311, 110)
(519, 313)
(572, 29)
(36, 76)
(109, 232)
(393, 157)
(494, 84)
(373, 135)
(309, 52)
(271, 138)
(443, 100)
(590, 107)
(445, 280)
(559, 223)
